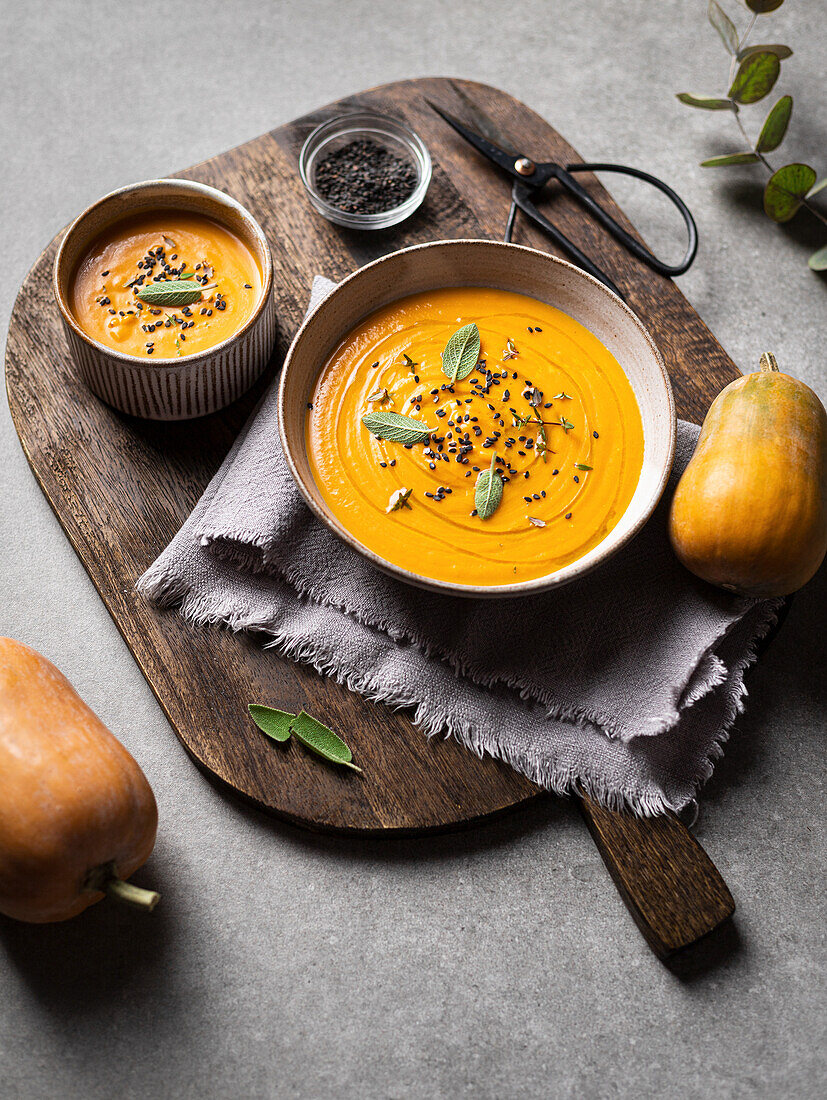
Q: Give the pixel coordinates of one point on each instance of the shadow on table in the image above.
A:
(104, 955)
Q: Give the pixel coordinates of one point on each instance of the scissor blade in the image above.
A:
(488, 149)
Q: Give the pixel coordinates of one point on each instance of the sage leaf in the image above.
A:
(704, 102)
(755, 78)
(775, 125)
(781, 52)
(723, 25)
(321, 740)
(728, 159)
(462, 353)
(763, 7)
(396, 428)
(786, 189)
(488, 492)
(275, 723)
(173, 292)
(818, 260)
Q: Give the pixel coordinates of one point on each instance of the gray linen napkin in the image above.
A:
(626, 683)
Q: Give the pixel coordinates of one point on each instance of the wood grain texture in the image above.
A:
(668, 882)
(121, 487)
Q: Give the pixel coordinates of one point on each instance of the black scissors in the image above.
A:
(530, 177)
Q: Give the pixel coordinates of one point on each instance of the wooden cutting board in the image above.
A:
(121, 488)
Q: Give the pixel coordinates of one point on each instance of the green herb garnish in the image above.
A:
(321, 740)
(581, 466)
(279, 724)
(462, 353)
(488, 492)
(562, 395)
(275, 723)
(396, 428)
(399, 499)
(566, 425)
(171, 292)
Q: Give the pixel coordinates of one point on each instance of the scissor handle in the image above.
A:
(564, 175)
(521, 197)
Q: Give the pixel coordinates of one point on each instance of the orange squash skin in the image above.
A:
(72, 799)
(750, 511)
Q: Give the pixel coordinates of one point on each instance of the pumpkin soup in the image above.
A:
(165, 284)
(474, 436)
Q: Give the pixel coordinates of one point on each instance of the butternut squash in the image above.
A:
(77, 815)
(750, 511)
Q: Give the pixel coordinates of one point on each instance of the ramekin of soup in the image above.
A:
(165, 289)
(442, 369)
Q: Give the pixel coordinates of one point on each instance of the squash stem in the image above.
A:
(768, 362)
(104, 879)
(130, 894)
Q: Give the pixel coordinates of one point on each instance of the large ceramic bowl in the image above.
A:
(192, 385)
(503, 267)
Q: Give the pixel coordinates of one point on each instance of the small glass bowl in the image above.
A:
(383, 130)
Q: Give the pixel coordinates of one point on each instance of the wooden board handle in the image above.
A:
(668, 882)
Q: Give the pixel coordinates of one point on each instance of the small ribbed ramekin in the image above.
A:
(192, 385)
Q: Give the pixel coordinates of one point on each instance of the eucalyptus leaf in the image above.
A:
(755, 78)
(723, 25)
(704, 102)
(818, 260)
(763, 7)
(462, 353)
(728, 159)
(275, 723)
(781, 52)
(775, 125)
(786, 189)
(322, 740)
(396, 428)
(172, 292)
(488, 492)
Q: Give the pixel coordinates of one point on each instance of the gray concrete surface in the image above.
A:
(499, 963)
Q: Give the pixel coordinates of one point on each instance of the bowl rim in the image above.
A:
(574, 570)
(168, 183)
(380, 219)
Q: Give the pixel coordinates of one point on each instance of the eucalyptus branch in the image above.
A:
(753, 72)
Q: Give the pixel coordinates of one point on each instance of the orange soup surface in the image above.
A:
(157, 247)
(545, 401)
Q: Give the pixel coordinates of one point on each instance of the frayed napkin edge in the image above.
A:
(548, 773)
(231, 551)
